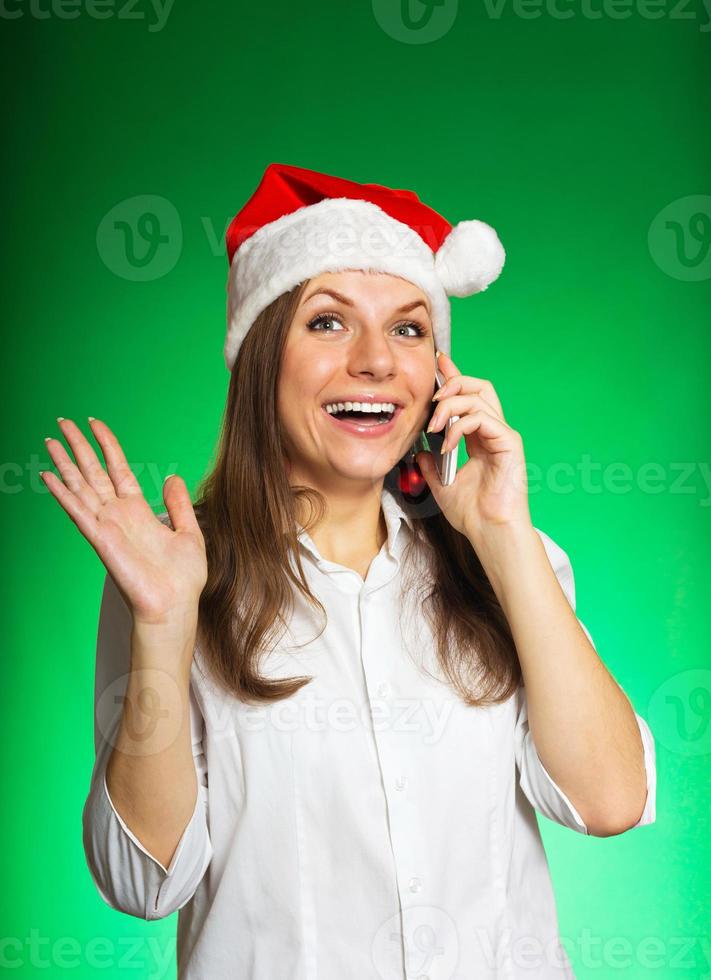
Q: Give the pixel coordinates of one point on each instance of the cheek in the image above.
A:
(422, 392)
(320, 365)
(307, 372)
(421, 382)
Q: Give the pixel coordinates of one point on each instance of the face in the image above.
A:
(357, 336)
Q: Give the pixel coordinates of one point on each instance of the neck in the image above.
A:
(353, 528)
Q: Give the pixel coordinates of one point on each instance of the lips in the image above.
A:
(364, 428)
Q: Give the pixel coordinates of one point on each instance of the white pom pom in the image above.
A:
(470, 258)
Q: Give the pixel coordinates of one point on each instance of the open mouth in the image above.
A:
(375, 420)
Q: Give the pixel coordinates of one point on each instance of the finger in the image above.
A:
(459, 405)
(497, 436)
(446, 366)
(120, 473)
(78, 512)
(465, 384)
(91, 469)
(178, 504)
(72, 476)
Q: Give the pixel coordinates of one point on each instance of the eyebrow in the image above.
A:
(339, 297)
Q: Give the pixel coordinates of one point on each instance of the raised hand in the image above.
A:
(491, 490)
(160, 571)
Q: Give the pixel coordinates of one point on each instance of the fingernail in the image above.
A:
(91, 418)
(169, 476)
(60, 418)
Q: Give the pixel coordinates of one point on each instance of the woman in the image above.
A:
(317, 688)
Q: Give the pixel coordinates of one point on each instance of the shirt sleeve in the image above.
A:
(536, 782)
(126, 875)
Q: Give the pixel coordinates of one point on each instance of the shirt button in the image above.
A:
(401, 782)
(414, 884)
(382, 690)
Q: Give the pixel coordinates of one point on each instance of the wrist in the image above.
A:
(506, 535)
(179, 621)
(505, 550)
(167, 644)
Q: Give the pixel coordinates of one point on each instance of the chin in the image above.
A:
(365, 467)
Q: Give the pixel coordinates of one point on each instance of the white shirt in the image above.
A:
(370, 826)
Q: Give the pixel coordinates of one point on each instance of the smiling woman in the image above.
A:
(316, 700)
(299, 468)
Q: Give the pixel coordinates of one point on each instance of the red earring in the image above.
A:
(411, 482)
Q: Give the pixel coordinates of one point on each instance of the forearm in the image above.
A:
(150, 774)
(583, 725)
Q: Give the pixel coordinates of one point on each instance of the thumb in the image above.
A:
(178, 503)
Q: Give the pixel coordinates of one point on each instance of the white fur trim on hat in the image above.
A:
(330, 236)
(470, 258)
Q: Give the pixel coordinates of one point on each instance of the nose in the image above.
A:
(371, 355)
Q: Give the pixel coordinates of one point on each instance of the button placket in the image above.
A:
(379, 653)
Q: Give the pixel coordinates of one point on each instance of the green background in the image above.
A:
(569, 136)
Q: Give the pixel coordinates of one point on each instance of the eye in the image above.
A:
(419, 332)
(319, 321)
(319, 325)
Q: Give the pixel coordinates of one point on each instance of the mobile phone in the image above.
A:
(446, 463)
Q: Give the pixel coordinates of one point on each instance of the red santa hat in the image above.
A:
(300, 223)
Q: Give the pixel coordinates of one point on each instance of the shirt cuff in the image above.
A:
(127, 876)
(649, 814)
(127, 830)
(568, 815)
(547, 796)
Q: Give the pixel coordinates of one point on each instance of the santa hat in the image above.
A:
(300, 223)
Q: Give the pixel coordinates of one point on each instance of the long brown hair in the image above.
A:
(247, 511)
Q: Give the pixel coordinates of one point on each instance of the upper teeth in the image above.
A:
(360, 407)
